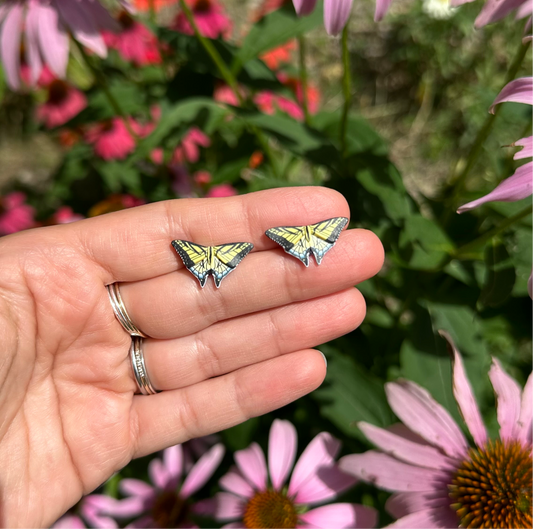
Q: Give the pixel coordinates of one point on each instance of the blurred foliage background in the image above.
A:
(421, 89)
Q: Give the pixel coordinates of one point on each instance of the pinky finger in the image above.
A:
(173, 417)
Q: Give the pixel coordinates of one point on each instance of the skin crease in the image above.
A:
(69, 417)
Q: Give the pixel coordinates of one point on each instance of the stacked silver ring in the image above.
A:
(139, 368)
(136, 352)
(121, 313)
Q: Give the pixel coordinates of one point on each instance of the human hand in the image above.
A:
(69, 416)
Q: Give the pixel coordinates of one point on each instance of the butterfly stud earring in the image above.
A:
(218, 261)
(300, 241)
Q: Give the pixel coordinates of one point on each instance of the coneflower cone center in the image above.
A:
(169, 510)
(492, 487)
(202, 6)
(270, 509)
(125, 20)
(57, 91)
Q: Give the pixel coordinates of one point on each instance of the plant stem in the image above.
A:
(231, 81)
(102, 82)
(463, 252)
(151, 5)
(346, 89)
(225, 72)
(303, 77)
(483, 133)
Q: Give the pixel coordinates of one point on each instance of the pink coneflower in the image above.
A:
(520, 184)
(112, 139)
(437, 479)
(165, 503)
(225, 94)
(189, 149)
(312, 92)
(269, 102)
(258, 502)
(63, 103)
(15, 214)
(209, 16)
(222, 190)
(495, 10)
(202, 178)
(65, 215)
(89, 510)
(135, 42)
(46, 25)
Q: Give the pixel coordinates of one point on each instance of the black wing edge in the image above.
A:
(187, 261)
(285, 244)
(336, 232)
(241, 255)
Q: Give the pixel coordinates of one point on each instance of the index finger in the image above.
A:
(135, 244)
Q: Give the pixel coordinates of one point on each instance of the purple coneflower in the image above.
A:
(438, 480)
(166, 503)
(255, 501)
(46, 25)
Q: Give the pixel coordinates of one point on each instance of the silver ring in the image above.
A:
(121, 313)
(139, 368)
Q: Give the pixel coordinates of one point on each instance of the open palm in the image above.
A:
(69, 415)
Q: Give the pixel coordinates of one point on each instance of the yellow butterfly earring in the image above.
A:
(300, 241)
(218, 261)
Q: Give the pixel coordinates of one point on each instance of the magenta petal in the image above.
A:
(252, 464)
(202, 470)
(173, 462)
(495, 10)
(403, 503)
(438, 518)
(304, 7)
(103, 505)
(33, 55)
(382, 6)
(424, 416)
(464, 396)
(79, 19)
(336, 15)
(135, 487)
(508, 397)
(92, 510)
(320, 452)
(527, 148)
(327, 483)
(517, 187)
(282, 444)
(405, 449)
(141, 523)
(390, 474)
(234, 482)
(517, 91)
(53, 39)
(227, 507)
(233, 525)
(10, 35)
(158, 473)
(69, 522)
(340, 515)
(526, 412)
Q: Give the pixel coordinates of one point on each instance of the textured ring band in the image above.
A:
(139, 368)
(121, 313)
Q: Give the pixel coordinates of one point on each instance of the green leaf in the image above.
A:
(351, 394)
(204, 112)
(500, 276)
(240, 436)
(119, 176)
(424, 243)
(274, 30)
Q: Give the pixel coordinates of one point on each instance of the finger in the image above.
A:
(174, 305)
(175, 416)
(236, 343)
(135, 244)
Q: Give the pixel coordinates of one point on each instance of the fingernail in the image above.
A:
(324, 357)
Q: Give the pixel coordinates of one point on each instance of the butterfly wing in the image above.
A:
(194, 257)
(292, 240)
(227, 257)
(324, 235)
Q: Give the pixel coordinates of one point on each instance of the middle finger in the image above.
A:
(174, 305)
